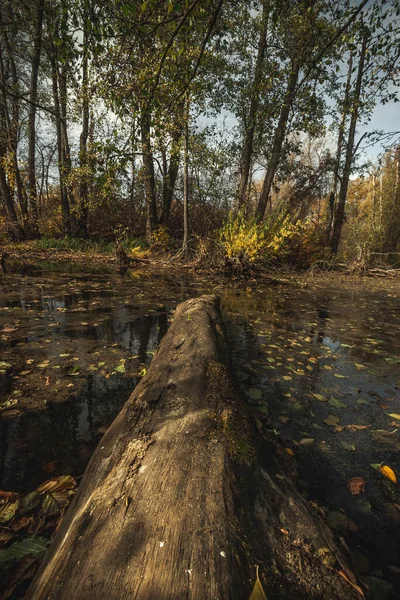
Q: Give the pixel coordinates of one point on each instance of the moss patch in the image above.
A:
(233, 423)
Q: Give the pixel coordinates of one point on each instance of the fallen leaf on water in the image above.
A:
(347, 446)
(360, 427)
(254, 394)
(338, 429)
(49, 467)
(337, 521)
(320, 397)
(350, 428)
(306, 441)
(331, 420)
(388, 472)
(394, 416)
(336, 403)
(289, 451)
(356, 485)
(376, 466)
(339, 376)
(258, 592)
(354, 585)
(284, 531)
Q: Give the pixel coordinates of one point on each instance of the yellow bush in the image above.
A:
(160, 238)
(281, 237)
(243, 239)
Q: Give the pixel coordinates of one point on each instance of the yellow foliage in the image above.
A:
(160, 238)
(138, 252)
(284, 234)
(242, 238)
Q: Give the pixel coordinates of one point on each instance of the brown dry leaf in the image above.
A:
(356, 485)
(360, 427)
(354, 585)
(350, 428)
(289, 451)
(388, 472)
(284, 531)
(7, 496)
(338, 429)
(21, 523)
(49, 467)
(382, 405)
(64, 482)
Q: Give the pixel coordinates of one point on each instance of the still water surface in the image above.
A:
(318, 359)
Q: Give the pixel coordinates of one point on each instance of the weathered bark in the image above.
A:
(335, 180)
(185, 240)
(13, 122)
(82, 220)
(247, 151)
(339, 216)
(32, 191)
(181, 499)
(279, 137)
(14, 229)
(65, 206)
(149, 179)
(170, 175)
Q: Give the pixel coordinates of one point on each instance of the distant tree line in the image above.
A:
(110, 114)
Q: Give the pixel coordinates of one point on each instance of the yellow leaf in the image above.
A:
(258, 592)
(354, 585)
(388, 472)
(289, 451)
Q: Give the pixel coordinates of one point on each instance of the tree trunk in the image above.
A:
(149, 179)
(339, 217)
(171, 176)
(185, 240)
(82, 218)
(182, 498)
(32, 191)
(247, 151)
(279, 137)
(12, 124)
(335, 180)
(65, 207)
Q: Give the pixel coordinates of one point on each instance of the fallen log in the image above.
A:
(183, 499)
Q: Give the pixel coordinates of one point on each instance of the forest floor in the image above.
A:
(78, 255)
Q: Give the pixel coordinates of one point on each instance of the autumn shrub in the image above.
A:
(281, 235)
(242, 239)
(160, 239)
(309, 247)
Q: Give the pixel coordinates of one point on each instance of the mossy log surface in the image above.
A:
(182, 498)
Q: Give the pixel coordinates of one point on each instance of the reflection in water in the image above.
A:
(74, 361)
(303, 354)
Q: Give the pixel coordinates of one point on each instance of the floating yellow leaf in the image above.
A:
(394, 416)
(258, 592)
(354, 585)
(388, 472)
(320, 397)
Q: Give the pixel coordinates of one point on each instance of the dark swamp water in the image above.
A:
(313, 356)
